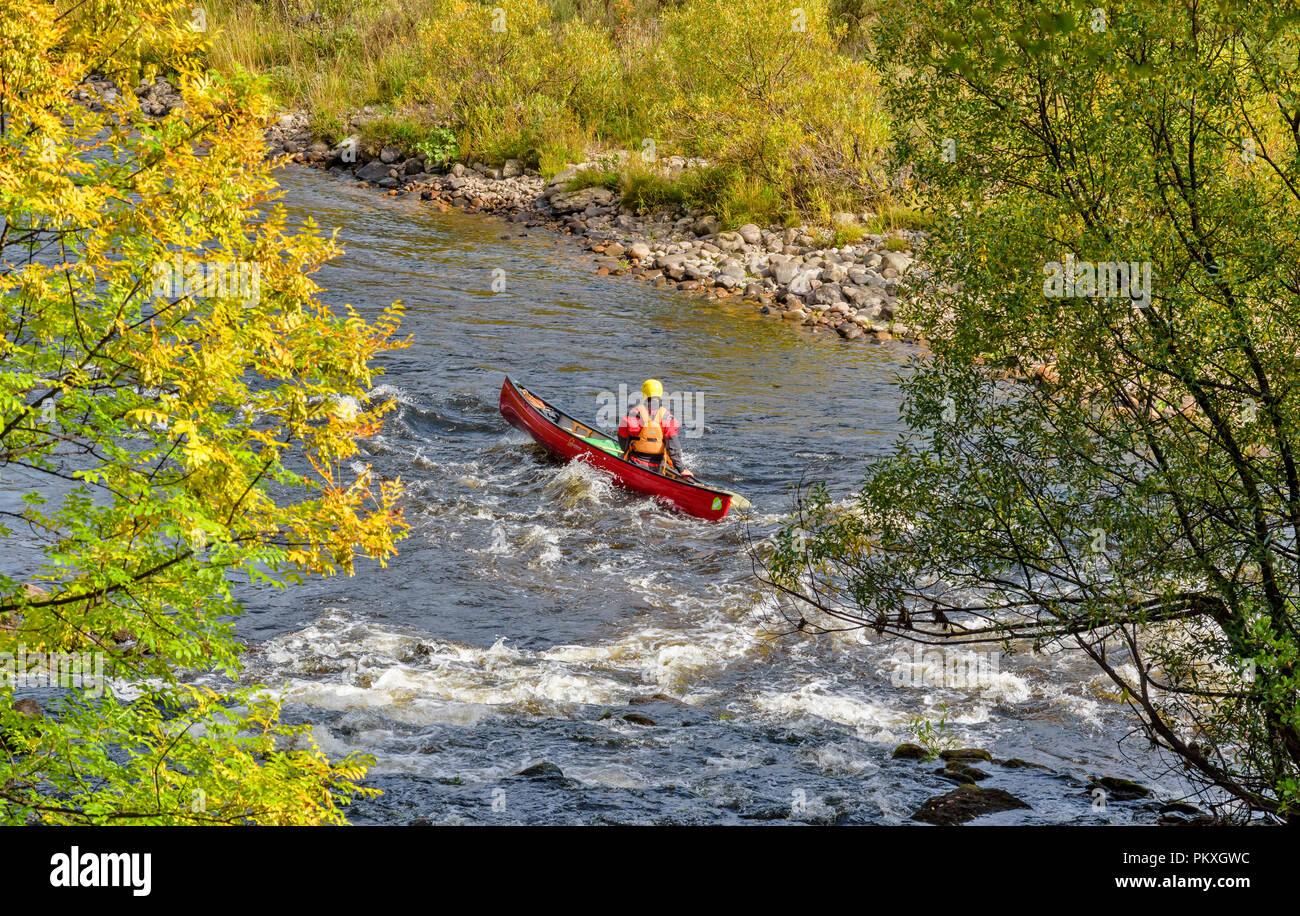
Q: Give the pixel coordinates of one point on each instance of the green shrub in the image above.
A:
(767, 95)
(517, 92)
(649, 191)
(787, 123)
(595, 178)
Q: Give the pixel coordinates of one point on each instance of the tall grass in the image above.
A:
(791, 126)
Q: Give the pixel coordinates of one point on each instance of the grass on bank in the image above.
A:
(792, 126)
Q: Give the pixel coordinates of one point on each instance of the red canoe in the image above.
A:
(571, 440)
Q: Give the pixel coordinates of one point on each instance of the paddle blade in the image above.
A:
(738, 501)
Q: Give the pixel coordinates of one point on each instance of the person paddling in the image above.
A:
(648, 434)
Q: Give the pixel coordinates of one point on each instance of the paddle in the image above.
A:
(737, 501)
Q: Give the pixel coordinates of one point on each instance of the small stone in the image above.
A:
(964, 804)
(895, 260)
(706, 226)
(1121, 789)
(1016, 763)
(542, 772)
(963, 772)
(730, 241)
(575, 201)
(372, 171)
(784, 271)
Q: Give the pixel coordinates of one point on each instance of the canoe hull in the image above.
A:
(692, 499)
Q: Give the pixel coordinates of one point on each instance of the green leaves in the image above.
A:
(1085, 466)
(781, 105)
(166, 360)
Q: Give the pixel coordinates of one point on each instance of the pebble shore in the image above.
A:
(855, 290)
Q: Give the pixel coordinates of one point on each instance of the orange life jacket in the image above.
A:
(648, 438)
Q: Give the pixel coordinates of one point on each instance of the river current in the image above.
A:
(539, 621)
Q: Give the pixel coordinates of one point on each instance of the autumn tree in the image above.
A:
(1105, 435)
(176, 408)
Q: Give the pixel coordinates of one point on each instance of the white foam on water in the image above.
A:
(340, 663)
(513, 438)
(346, 406)
(838, 759)
(668, 659)
(324, 739)
(870, 721)
(577, 484)
(399, 706)
(416, 681)
(731, 763)
(500, 545)
(613, 775)
(963, 672)
(387, 392)
(542, 543)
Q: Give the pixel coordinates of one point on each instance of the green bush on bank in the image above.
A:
(761, 89)
(788, 124)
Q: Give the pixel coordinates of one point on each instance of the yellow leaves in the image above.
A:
(367, 430)
(198, 453)
(191, 409)
(146, 416)
(281, 358)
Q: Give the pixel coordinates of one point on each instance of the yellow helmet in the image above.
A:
(652, 388)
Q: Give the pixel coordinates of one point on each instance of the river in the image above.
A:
(534, 607)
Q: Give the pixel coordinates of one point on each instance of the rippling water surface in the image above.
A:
(536, 615)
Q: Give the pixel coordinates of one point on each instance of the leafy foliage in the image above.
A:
(934, 737)
(175, 430)
(760, 89)
(1109, 472)
(788, 122)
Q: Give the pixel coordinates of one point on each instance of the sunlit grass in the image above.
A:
(592, 76)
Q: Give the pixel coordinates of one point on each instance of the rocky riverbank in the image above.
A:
(157, 98)
(855, 290)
